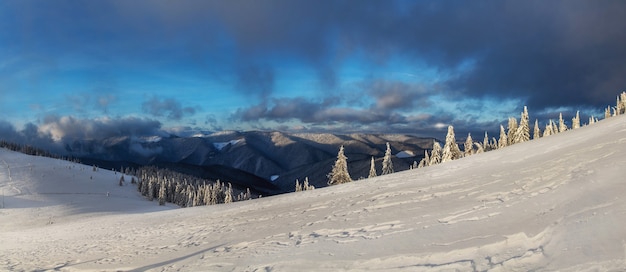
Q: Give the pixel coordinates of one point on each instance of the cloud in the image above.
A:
(396, 95)
(545, 53)
(168, 107)
(68, 128)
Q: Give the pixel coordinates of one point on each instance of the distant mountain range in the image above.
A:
(266, 162)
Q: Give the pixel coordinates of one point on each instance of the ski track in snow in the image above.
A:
(552, 204)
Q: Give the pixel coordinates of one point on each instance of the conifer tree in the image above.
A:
(549, 130)
(522, 133)
(435, 154)
(162, 194)
(576, 121)
(298, 186)
(339, 174)
(387, 163)
(451, 149)
(607, 112)
(512, 128)
(536, 130)
(306, 186)
(468, 148)
(479, 148)
(372, 169)
(228, 197)
(486, 142)
(562, 125)
(503, 141)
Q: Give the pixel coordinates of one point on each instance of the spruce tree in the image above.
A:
(486, 142)
(562, 125)
(372, 169)
(435, 154)
(479, 148)
(339, 174)
(536, 131)
(162, 194)
(228, 197)
(576, 121)
(451, 149)
(522, 134)
(387, 163)
(306, 186)
(503, 141)
(549, 129)
(298, 186)
(468, 148)
(512, 128)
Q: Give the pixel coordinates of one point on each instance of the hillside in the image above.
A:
(556, 203)
(267, 162)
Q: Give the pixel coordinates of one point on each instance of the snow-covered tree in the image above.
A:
(121, 183)
(549, 130)
(435, 154)
(468, 148)
(339, 174)
(451, 149)
(162, 194)
(298, 186)
(486, 142)
(607, 112)
(425, 161)
(306, 186)
(576, 121)
(562, 125)
(503, 141)
(522, 133)
(372, 169)
(536, 130)
(228, 197)
(512, 128)
(387, 163)
(479, 148)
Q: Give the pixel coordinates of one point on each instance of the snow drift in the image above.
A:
(556, 203)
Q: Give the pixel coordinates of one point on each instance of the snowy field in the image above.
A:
(557, 203)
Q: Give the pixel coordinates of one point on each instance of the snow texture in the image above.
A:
(405, 154)
(220, 145)
(555, 203)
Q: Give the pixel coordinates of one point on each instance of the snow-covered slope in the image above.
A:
(557, 203)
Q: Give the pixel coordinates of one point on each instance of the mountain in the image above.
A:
(267, 162)
(551, 204)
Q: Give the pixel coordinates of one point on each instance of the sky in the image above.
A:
(90, 69)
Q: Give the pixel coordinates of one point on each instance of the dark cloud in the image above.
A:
(546, 53)
(396, 95)
(62, 128)
(55, 132)
(166, 107)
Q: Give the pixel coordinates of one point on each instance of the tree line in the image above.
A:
(516, 132)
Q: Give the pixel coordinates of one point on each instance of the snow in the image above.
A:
(405, 154)
(274, 177)
(220, 145)
(556, 203)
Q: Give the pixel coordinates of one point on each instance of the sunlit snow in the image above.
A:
(556, 203)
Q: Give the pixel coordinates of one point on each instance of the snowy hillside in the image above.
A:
(556, 203)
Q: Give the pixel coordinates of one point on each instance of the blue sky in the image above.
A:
(67, 67)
